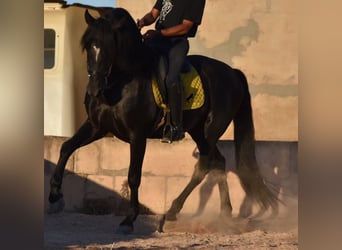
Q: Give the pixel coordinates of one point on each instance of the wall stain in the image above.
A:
(234, 45)
(274, 90)
(239, 40)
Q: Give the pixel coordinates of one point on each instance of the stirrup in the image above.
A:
(171, 133)
(177, 133)
(167, 134)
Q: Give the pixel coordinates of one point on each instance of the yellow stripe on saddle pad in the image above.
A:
(193, 96)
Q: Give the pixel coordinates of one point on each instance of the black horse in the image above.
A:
(119, 100)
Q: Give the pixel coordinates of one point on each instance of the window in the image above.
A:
(49, 48)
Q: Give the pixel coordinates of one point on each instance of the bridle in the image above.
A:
(92, 73)
(104, 76)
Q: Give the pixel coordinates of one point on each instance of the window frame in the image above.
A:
(48, 49)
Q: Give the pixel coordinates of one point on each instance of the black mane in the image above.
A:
(120, 41)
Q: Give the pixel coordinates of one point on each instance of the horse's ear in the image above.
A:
(89, 19)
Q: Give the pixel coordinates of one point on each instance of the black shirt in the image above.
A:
(173, 12)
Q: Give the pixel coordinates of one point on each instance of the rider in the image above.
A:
(177, 20)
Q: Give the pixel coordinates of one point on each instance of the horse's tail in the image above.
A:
(247, 167)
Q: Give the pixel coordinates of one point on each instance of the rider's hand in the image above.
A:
(140, 23)
(151, 34)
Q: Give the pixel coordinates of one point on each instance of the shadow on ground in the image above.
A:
(95, 219)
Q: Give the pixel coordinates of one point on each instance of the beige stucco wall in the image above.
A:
(260, 38)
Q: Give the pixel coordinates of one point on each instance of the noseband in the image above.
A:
(94, 75)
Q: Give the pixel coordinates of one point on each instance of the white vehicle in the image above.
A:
(65, 70)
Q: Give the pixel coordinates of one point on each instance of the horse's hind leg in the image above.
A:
(201, 169)
(210, 159)
(218, 170)
(85, 135)
(214, 162)
(215, 127)
(217, 163)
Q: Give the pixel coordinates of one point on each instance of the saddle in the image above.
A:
(193, 93)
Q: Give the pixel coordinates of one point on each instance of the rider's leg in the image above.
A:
(177, 55)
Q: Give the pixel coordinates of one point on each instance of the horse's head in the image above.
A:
(112, 43)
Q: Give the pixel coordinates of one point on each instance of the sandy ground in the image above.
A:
(81, 231)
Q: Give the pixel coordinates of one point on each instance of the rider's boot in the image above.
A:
(174, 94)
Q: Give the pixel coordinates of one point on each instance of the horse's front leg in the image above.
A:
(137, 148)
(85, 135)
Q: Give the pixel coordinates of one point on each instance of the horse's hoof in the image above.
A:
(56, 207)
(170, 217)
(161, 224)
(226, 214)
(124, 229)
